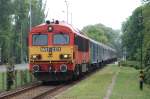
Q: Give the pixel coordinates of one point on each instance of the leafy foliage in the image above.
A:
(104, 35)
(146, 1)
(14, 26)
(136, 36)
(134, 64)
(5, 26)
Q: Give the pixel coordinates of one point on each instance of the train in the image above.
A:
(59, 52)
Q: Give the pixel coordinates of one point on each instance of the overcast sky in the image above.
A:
(111, 13)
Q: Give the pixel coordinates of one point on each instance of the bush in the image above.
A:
(147, 75)
(137, 65)
(127, 63)
(123, 63)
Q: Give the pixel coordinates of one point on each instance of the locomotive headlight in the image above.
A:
(36, 56)
(65, 56)
(50, 28)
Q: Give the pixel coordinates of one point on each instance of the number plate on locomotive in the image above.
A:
(50, 49)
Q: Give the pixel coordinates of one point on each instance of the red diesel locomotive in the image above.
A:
(57, 52)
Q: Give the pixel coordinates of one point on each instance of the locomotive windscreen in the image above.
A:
(39, 39)
(61, 39)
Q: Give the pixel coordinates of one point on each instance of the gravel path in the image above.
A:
(110, 88)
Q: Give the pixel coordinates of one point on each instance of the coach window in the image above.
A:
(39, 39)
(61, 38)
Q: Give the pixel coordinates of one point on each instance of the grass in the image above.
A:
(21, 78)
(127, 86)
(2, 81)
(95, 87)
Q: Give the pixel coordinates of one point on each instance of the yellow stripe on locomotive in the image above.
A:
(50, 53)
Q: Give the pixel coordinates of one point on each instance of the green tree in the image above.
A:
(146, 1)
(104, 35)
(135, 29)
(132, 34)
(5, 28)
(95, 33)
(14, 26)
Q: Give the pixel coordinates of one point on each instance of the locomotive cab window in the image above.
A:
(83, 44)
(39, 39)
(61, 38)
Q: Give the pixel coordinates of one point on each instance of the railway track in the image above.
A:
(52, 93)
(40, 91)
(34, 92)
(9, 94)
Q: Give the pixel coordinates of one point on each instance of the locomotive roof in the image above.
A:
(77, 32)
(63, 24)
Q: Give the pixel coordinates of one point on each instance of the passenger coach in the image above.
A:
(57, 51)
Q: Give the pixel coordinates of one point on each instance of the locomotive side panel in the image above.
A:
(82, 50)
